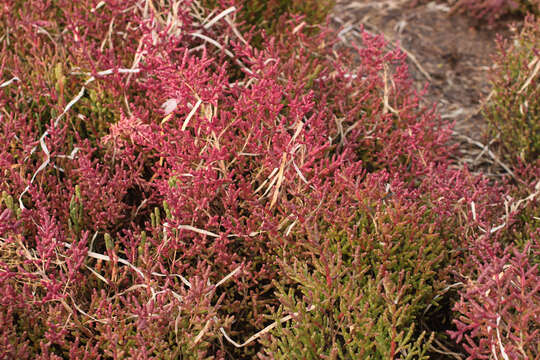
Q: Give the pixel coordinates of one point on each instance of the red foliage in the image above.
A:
(499, 307)
(147, 157)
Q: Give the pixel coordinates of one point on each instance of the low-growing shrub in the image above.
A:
(498, 312)
(267, 14)
(151, 175)
(169, 189)
(513, 112)
(494, 9)
(360, 276)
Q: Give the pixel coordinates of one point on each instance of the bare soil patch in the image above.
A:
(450, 52)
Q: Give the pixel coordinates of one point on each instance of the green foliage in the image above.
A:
(76, 208)
(98, 109)
(7, 200)
(265, 14)
(359, 292)
(514, 110)
(523, 208)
